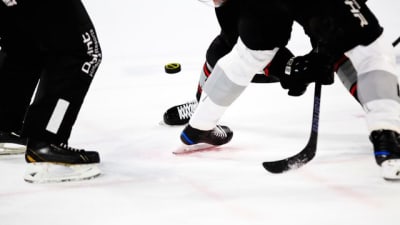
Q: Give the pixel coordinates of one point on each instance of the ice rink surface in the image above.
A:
(143, 183)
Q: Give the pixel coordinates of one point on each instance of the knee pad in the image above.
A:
(379, 55)
(234, 72)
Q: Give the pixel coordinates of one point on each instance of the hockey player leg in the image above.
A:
(18, 76)
(180, 114)
(379, 95)
(229, 79)
(74, 56)
(204, 134)
(347, 75)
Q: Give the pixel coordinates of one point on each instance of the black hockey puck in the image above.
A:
(172, 68)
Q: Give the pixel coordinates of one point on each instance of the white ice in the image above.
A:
(143, 183)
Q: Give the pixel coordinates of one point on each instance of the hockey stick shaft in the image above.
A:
(309, 150)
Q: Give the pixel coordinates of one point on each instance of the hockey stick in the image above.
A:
(396, 42)
(308, 153)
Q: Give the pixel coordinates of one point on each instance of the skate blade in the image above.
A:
(391, 169)
(56, 173)
(12, 149)
(201, 147)
(163, 124)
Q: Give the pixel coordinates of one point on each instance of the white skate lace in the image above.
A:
(219, 132)
(65, 146)
(186, 110)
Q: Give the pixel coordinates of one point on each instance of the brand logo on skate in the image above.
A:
(355, 10)
(10, 2)
(93, 50)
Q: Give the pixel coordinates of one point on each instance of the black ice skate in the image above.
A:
(11, 144)
(180, 114)
(387, 152)
(59, 163)
(196, 140)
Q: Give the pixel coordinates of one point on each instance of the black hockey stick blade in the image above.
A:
(308, 153)
(396, 42)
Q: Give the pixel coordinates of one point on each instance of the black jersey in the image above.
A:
(339, 25)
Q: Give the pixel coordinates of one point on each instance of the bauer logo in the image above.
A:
(93, 50)
(355, 10)
(10, 2)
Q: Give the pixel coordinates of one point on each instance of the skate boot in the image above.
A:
(11, 143)
(180, 114)
(387, 152)
(196, 140)
(59, 163)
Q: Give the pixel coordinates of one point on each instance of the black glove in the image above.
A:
(276, 68)
(300, 71)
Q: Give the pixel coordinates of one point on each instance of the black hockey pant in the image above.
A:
(51, 45)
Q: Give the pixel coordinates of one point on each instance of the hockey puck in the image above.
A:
(172, 68)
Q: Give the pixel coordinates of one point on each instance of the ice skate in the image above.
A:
(59, 163)
(11, 144)
(199, 140)
(180, 114)
(387, 152)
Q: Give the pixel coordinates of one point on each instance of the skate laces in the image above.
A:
(186, 110)
(71, 149)
(219, 132)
